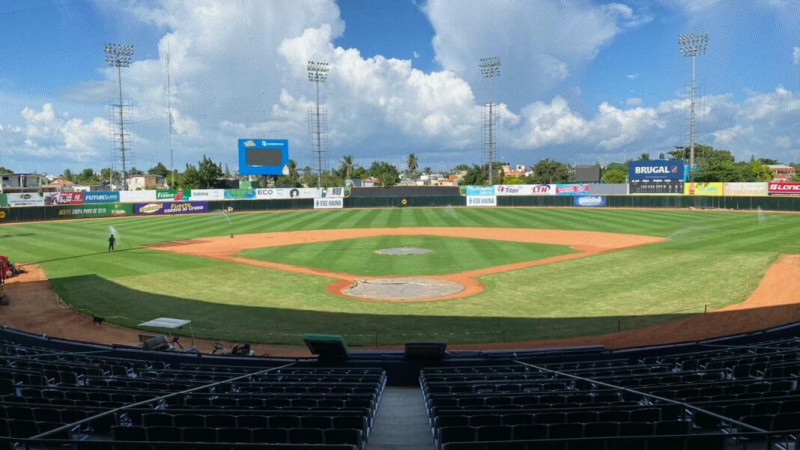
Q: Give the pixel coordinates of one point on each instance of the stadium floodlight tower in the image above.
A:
(119, 56)
(318, 73)
(692, 46)
(490, 68)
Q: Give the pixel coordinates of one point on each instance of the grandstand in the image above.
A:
(731, 393)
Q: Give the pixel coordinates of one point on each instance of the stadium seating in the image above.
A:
(723, 394)
(695, 400)
(92, 400)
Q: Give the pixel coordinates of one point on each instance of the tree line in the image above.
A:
(711, 165)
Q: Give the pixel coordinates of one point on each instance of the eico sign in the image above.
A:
(655, 170)
(784, 188)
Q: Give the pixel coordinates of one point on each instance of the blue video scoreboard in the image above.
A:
(263, 156)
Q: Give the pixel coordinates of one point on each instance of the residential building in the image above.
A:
(21, 182)
(145, 182)
(781, 172)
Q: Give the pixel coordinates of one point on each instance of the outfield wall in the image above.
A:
(101, 210)
(664, 201)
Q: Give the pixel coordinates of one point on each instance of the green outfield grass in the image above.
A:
(712, 258)
(448, 255)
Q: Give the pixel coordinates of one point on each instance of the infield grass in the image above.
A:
(448, 255)
(711, 258)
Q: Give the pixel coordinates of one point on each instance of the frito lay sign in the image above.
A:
(784, 188)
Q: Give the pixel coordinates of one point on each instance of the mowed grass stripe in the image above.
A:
(514, 220)
(617, 222)
(325, 221)
(469, 216)
(540, 218)
(565, 219)
(258, 222)
(363, 218)
(358, 256)
(421, 217)
(308, 220)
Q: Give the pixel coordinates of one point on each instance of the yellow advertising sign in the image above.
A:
(710, 189)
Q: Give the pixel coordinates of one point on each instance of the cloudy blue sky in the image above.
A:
(581, 81)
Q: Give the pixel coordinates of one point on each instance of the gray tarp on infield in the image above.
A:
(402, 288)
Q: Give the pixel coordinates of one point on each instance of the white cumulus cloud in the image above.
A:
(559, 38)
(48, 135)
(239, 70)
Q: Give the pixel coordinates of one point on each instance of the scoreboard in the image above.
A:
(263, 156)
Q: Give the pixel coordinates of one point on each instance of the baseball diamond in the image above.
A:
(613, 272)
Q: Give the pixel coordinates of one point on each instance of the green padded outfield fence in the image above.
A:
(59, 212)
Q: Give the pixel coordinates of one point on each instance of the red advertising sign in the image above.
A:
(784, 188)
(63, 198)
(572, 189)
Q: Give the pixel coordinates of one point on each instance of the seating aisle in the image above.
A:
(401, 421)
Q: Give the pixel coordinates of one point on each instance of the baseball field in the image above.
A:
(533, 273)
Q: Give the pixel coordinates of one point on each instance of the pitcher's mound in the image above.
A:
(403, 251)
(402, 288)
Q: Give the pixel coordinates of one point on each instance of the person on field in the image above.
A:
(111, 241)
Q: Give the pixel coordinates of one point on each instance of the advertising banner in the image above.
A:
(573, 189)
(3, 200)
(100, 197)
(589, 201)
(329, 203)
(85, 211)
(170, 208)
(204, 194)
(655, 170)
(303, 193)
(240, 194)
(332, 192)
(283, 193)
(176, 195)
(513, 189)
(744, 189)
(137, 196)
(709, 189)
(543, 189)
(473, 191)
(272, 193)
(25, 199)
(481, 200)
(775, 188)
(525, 189)
(63, 198)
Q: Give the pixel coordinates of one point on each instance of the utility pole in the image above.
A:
(490, 68)
(119, 56)
(692, 46)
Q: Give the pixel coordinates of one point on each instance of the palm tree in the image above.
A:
(413, 163)
(308, 177)
(347, 166)
(293, 169)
